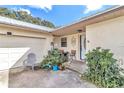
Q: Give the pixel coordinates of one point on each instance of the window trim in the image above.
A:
(65, 42)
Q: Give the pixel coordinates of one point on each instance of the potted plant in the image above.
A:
(53, 59)
(61, 66)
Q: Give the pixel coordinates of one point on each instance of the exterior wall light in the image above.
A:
(79, 31)
(9, 33)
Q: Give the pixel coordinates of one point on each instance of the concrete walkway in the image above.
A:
(48, 79)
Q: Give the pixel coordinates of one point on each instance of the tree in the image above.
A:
(24, 16)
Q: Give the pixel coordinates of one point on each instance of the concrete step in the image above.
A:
(77, 67)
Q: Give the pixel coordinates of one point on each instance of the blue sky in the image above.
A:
(60, 14)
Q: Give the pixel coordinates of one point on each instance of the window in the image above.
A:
(64, 42)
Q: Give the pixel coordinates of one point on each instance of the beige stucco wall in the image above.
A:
(109, 35)
(38, 46)
(70, 46)
(4, 30)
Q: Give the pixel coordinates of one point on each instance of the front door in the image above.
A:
(82, 47)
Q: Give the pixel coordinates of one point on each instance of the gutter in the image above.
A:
(17, 23)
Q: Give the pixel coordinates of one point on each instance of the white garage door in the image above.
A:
(14, 50)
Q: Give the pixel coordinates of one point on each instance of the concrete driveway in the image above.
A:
(47, 79)
(4, 78)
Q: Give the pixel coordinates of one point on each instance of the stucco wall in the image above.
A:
(38, 45)
(70, 46)
(109, 35)
(49, 37)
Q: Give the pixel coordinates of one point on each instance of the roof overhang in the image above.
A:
(81, 25)
(12, 23)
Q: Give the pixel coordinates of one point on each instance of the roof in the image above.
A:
(17, 23)
(83, 22)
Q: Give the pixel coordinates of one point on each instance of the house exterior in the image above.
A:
(25, 38)
(101, 30)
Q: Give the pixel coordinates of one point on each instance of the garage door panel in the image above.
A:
(18, 50)
(3, 50)
(3, 59)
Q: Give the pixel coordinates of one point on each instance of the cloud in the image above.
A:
(26, 10)
(89, 7)
(22, 9)
(46, 7)
(92, 8)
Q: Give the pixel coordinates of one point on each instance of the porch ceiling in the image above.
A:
(81, 25)
(69, 30)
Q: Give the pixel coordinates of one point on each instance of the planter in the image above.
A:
(55, 68)
(61, 67)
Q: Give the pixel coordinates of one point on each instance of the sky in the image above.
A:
(60, 15)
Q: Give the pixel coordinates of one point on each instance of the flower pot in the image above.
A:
(55, 68)
(61, 67)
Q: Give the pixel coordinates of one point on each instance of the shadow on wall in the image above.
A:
(19, 61)
(121, 63)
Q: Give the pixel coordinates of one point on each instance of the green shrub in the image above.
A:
(53, 58)
(103, 69)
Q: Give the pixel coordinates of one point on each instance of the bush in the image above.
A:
(103, 69)
(53, 58)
